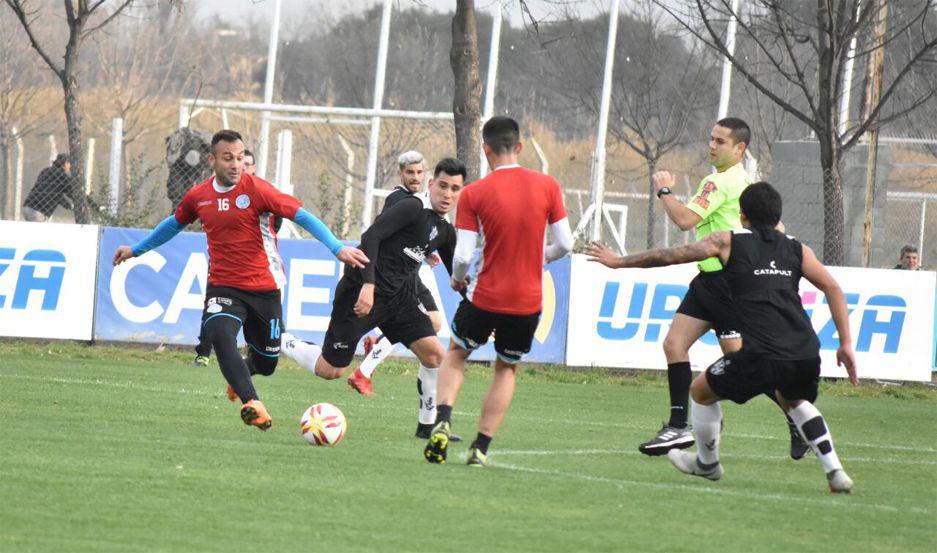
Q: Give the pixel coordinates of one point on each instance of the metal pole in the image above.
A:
(598, 173)
(349, 185)
(726, 90)
(284, 167)
(183, 115)
(89, 166)
(117, 139)
(920, 234)
(493, 54)
(18, 178)
(847, 79)
(268, 90)
(53, 149)
(544, 163)
(374, 141)
(322, 110)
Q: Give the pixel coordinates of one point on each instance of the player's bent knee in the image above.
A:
(263, 365)
(701, 392)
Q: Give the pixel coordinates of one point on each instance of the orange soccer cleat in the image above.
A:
(360, 383)
(254, 413)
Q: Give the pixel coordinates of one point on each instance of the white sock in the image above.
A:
(304, 353)
(707, 423)
(426, 386)
(813, 428)
(379, 352)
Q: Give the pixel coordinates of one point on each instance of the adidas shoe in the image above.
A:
(255, 414)
(839, 481)
(667, 438)
(799, 448)
(476, 458)
(688, 463)
(361, 383)
(438, 443)
(200, 361)
(424, 431)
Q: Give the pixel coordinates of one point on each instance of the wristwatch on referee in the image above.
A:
(663, 191)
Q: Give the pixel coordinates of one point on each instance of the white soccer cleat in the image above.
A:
(688, 463)
(839, 481)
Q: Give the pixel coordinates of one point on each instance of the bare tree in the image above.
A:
(808, 44)
(466, 102)
(78, 16)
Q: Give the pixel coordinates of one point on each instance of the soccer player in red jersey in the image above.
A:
(245, 270)
(513, 206)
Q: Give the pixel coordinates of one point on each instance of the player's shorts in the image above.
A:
(710, 299)
(514, 334)
(739, 377)
(399, 318)
(424, 296)
(260, 313)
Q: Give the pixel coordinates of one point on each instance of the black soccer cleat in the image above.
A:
(799, 448)
(667, 438)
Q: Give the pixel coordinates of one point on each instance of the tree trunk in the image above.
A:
(651, 219)
(834, 252)
(73, 123)
(6, 173)
(466, 101)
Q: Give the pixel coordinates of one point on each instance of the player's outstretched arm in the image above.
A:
(163, 233)
(715, 244)
(819, 276)
(315, 227)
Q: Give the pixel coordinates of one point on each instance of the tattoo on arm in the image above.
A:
(698, 251)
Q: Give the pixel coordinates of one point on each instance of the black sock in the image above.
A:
(678, 378)
(482, 442)
(443, 413)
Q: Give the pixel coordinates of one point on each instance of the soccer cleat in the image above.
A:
(423, 432)
(799, 447)
(476, 458)
(254, 413)
(839, 481)
(360, 383)
(688, 463)
(200, 361)
(667, 438)
(438, 443)
(232, 396)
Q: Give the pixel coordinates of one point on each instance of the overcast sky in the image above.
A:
(296, 11)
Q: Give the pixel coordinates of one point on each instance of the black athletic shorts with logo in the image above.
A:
(399, 318)
(739, 377)
(514, 334)
(260, 313)
(710, 299)
(424, 296)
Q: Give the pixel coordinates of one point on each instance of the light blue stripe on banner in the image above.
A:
(274, 355)
(222, 315)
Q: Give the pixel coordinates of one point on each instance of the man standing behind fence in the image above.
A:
(513, 206)
(52, 188)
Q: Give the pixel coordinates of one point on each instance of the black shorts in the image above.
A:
(424, 296)
(709, 299)
(514, 334)
(399, 318)
(260, 313)
(740, 377)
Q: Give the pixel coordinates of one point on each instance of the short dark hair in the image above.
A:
(738, 129)
(501, 134)
(761, 203)
(227, 135)
(450, 166)
(61, 160)
(908, 248)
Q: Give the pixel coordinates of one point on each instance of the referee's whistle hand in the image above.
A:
(353, 257)
(122, 254)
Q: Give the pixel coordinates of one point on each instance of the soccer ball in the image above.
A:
(323, 424)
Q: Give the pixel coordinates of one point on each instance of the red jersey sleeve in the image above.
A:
(466, 218)
(557, 208)
(274, 201)
(186, 213)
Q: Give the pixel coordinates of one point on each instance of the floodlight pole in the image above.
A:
(726, 90)
(268, 90)
(493, 54)
(374, 141)
(847, 79)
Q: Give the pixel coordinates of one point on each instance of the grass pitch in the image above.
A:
(108, 449)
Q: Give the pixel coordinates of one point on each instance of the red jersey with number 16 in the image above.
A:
(238, 223)
(512, 207)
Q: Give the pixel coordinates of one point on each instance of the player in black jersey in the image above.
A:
(780, 351)
(378, 347)
(383, 294)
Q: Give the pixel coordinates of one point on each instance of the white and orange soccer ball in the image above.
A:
(323, 424)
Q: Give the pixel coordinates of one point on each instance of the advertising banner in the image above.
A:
(47, 275)
(619, 318)
(158, 296)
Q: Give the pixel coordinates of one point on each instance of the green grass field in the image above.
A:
(108, 449)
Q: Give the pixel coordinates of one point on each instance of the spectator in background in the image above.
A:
(52, 188)
(909, 260)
